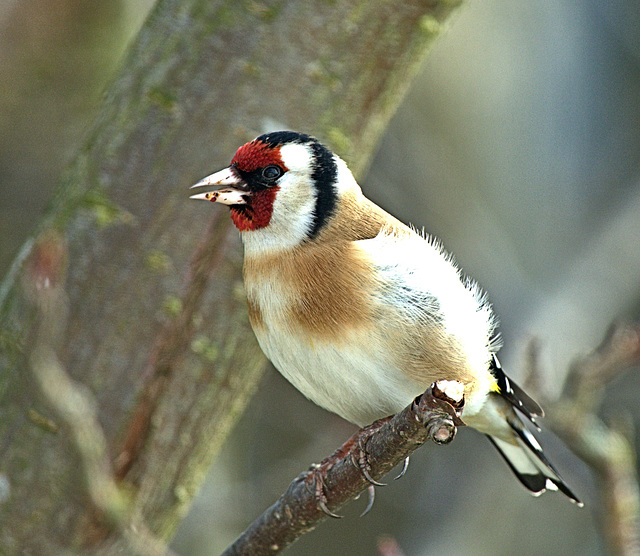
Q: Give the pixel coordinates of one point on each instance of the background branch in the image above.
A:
(608, 448)
(72, 403)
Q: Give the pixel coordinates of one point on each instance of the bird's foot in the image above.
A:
(355, 448)
(316, 480)
(358, 450)
(440, 406)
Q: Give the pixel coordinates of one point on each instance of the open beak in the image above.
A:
(234, 195)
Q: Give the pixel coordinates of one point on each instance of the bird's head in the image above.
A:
(282, 184)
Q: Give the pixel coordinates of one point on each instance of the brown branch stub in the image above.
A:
(297, 511)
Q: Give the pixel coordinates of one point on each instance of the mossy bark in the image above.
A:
(137, 291)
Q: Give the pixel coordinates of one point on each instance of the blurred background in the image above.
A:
(517, 145)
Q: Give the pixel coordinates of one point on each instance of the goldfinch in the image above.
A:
(358, 311)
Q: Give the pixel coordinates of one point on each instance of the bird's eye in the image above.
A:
(272, 172)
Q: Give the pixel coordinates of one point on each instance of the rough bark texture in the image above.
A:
(126, 354)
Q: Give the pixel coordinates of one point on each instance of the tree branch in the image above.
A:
(609, 449)
(73, 403)
(160, 338)
(298, 510)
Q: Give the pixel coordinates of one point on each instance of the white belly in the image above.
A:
(354, 379)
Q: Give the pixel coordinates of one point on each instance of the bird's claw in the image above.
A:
(372, 496)
(405, 466)
(355, 448)
(359, 456)
(359, 448)
(316, 478)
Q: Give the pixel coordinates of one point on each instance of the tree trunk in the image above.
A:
(126, 353)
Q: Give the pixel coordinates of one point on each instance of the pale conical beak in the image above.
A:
(227, 196)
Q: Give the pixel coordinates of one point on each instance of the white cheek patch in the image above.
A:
(345, 181)
(296, 157)
(291, 217)
(293, 208)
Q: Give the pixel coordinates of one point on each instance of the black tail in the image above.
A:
(523, 453)
(530, 465)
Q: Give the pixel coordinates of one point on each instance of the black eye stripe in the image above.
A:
(256, 179)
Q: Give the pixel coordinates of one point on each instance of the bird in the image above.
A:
(360, 312)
